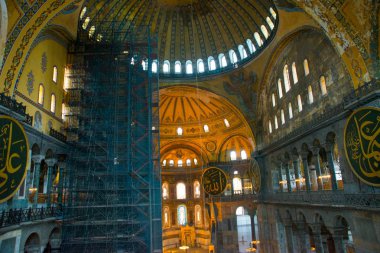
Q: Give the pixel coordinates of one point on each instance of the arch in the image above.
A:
(54, 240)
(3, 28)
(197, 189)
(200, 66)
(265, 32)
(49, 154)
(35, 149)
(198, 215)
(222, 61)
(166, 67)
(177, 67)
(251, 47)
(211, 63)
(236, 143)
(154, 66)
(189, 67)
(33, 243)
(270, 23)
(258, 39)
(41, 92)
(52, 103)
(182, 215)
(181, 190)
(233, 56)
(55, 74)
(165, 190)
(243, 53)
(166, 216)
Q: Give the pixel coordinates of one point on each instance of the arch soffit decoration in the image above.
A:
(197, 149)
(252, 144)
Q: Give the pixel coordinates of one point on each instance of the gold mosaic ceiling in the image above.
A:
(189, 29)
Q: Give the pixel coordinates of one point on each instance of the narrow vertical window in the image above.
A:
(195, 161)
(270, 23)
(243, 53)
(177, 67)
(264, 30)
(279, 85)
(222, 60)
(270, 127)
(299, 101)
(233, 57)
(258, 39)
(306, 67)
(197, 189)
(322, 83)
(286, 78)
(206, 129)
(63, 111)
(282, 117)
(226, 123)
(91, 32)
(166, 67)
(233, 155)
(154, 66)
(85, 23)
(310, 94)
(171, 163)
(179, 131)
(181, 191)
(165, 190)
(272, 12)
(211, 63)
(164, 163)
(41, 91)
(275, 122)
(188, 162)
(55, 74)
(251, 47)
(166, 217)
(182, 215)
(82, 13)
(189, 67)
(179, 163)
(198, 215)
(243, 155)
(290, 111)
(294, 72)
(273, 100)
(144, 64)
(52, 103)
(200, 66)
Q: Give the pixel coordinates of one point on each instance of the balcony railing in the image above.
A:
(59, 136)
(18, 216)
(16, 107)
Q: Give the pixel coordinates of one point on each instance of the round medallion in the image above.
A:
(14, 157)
(214, 181)
(362, 144)
(254, 174)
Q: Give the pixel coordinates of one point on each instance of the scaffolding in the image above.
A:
(111, 117)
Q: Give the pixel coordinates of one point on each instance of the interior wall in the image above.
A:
(3, 29)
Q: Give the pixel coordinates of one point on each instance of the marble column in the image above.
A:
(317, 167)
(296, 167)
(289, 236)
(306, 170)
(286, 165)
(330, 160)
(302, 234)
(61, 168)
(50, 163)
(37, 159)
(318, 238)
(338, 240)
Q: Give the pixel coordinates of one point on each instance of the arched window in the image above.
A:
(154, 66)
(286, 78)
(195, 161)
(188, 162)
(279, 86)
(201, 66)
(275, 122)
(52, 103)
(165, 190)
(243, 155)
(171, 163)
(244, 229)
(99, 37)
(41, 92)
(144, 64)
(306, 67)
(179, 131)
(91, 31)
(322, 83)
(85, 23)
(63, 111)
(197, 189)
(182, 215)
(179, 163)
(282, 117)
(189, 67)
(198, 215)
(294, 72)
(206, 129)
(166, 67)
(181, 191)
(55, 74)
(273, 100)
(272, 12)
(177, 67)
(164, 163)
(233, 155)
(222, 61)
(166, 216)
(82, 13)
(226, 123)
(243, 53)
(270, 127)
(310, 94)
(264, 30)
(299, 101)
(258, 39)
(233, 56)
(237, 185)
(251, 47)
(290, 110)
(211, 63)
(270, 23)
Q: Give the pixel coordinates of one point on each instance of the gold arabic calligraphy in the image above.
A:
(214, 181)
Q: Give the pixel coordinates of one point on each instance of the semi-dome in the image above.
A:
(195, 37)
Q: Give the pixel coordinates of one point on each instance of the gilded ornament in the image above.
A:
(214, 181)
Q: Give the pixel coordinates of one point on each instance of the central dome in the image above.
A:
(194, 37)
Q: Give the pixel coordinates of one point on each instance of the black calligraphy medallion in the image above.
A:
(362, 144)
(214, 181)
(13, 157)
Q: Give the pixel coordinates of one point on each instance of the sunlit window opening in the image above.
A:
(294, 72)
(171, 163)
(237, 185)
(290, 110)
(188, 162)
(273, 13)
(251, 47)
(165, 190)
(206, 129)
(195, 161)
(181, 191)
(179, 131)
(264, 30)
(310, 94)
(201, 66)
(273, 100)
(63, 111)
(182, 215)
(270, 23)
(144, 64)
(286, 78)
(243, 155)
(177, 67)
(189, 67)
(275, 122)
(243, 53)
(299, 101)
(282, 117)
(211, 63)
(279, 85)
(222, 60)
(91, 31)
(198, 215)
(55, 74)
(226, 123)
(52, 103)
(41, 92)
(322, 83)
(197, 189)
(154, 66)
(233, 155)
(179, 163)
(85, 23)
(99, 37)
(270, 127)
(164, 163)
(166, 217)
(233, 56)
(166, 67)
(258, 39)
(82, 13)
(306, 67)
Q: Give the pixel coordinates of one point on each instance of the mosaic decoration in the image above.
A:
(14, 157)
(254, 174)
(44, 62)
(362, 144)
(30, 82)
(37, 121)
(214, 181)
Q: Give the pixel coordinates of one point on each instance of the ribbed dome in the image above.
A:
(190, 31)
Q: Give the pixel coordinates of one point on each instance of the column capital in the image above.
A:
(51, 161)
(37, 158)
(315, 150)
(329, 146)
(316, 227)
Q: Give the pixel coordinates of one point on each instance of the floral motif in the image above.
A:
(44, 62)
(30, 83)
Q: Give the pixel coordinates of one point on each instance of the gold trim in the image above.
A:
(223, 174)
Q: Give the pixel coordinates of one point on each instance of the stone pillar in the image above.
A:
(50, 163)
(304, 242)
(330, 160)
(61, 167)
(254, 236)
(306, 170)
(289, 236)
(296, 167)
(37, 159)
(318, 238)
(338, 240)
(317, 167)
(286, 164)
